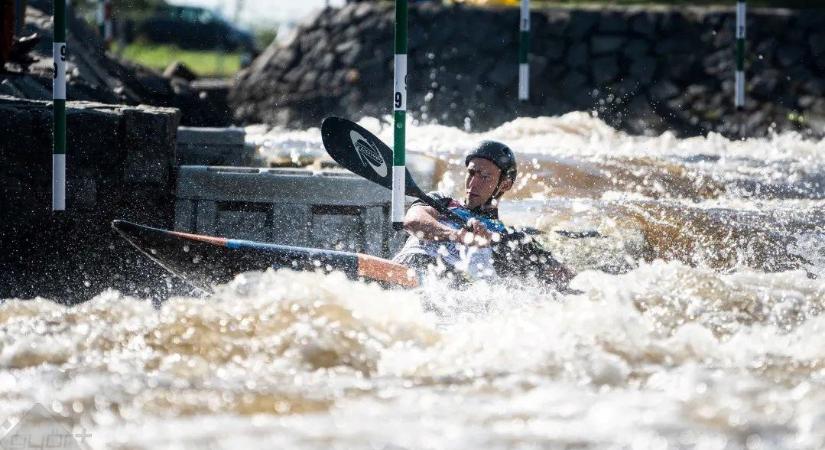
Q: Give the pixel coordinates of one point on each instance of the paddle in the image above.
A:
(359, 151)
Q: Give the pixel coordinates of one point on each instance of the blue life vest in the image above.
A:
(495, 226)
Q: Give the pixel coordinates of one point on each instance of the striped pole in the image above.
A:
(400, 115)
(59, 101)
(104, 21)
(523, 52)
(19, 16)
(740, 54)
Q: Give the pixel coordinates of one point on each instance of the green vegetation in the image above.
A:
(203, 63)
(264, 36)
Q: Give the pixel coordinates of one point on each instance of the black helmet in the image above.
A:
(497, 153)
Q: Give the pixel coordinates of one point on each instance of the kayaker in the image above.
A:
(436, 243)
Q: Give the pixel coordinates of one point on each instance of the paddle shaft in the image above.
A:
(440, 207)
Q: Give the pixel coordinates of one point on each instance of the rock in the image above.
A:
(537, 65)
(788, 55)
(581, 24)
(680, 67)
(763, 84)
(557, 23)
(806, 101)
(674, 45)
(178, 69)
(613, 22)
(643, 69)
(643, 24)
(718, 63)
(600, 45)
(605, 69)
(351, 53)
(577, 55)
(816, 42)
(764, 50)
(636, 49)
(573, 80)
(664, 90)
(504, 74)
(815, 87)
(553, 50)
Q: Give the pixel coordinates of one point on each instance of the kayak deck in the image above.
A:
(204, 261)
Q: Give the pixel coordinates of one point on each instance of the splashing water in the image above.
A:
(698, 324)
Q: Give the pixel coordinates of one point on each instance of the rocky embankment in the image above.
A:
(641, 70)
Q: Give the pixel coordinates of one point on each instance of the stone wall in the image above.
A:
(642, 70)
(120, 164)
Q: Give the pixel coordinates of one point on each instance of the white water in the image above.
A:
(699, 325)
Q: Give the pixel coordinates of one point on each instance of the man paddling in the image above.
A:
(476, 251)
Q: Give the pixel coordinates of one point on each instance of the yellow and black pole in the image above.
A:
(59, 102)
(740, 54)
(399, 115)
(524, 51)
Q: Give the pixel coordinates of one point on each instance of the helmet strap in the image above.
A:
(496, 193)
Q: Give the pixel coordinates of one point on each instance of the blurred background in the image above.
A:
(216, 38)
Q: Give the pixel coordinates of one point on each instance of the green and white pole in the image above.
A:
(104, 22)
(399, 115)
(59, 101)
(740, 54)
(524, 51)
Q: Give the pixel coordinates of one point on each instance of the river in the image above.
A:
(698, 324)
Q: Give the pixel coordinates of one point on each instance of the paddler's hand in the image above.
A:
(475, 234)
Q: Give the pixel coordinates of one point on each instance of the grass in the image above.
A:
(203, 63)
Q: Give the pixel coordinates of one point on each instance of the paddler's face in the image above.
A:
(481, 181)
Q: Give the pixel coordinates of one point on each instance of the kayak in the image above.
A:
(204, 261)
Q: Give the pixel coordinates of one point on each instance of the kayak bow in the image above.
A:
(204, 261)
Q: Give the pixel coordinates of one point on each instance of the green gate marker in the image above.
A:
(740, 54)
(59, 101)
(523, 51)
(399, 115)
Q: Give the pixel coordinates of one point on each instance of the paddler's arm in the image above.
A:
(422, 222)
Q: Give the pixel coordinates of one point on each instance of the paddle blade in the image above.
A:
(359, 151)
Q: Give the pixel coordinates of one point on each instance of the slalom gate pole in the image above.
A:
(104, 22)
(524, 51)
(399, 115)
(740, 54)
(59, 102)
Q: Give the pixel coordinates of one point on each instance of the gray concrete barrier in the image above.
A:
(327, 209)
